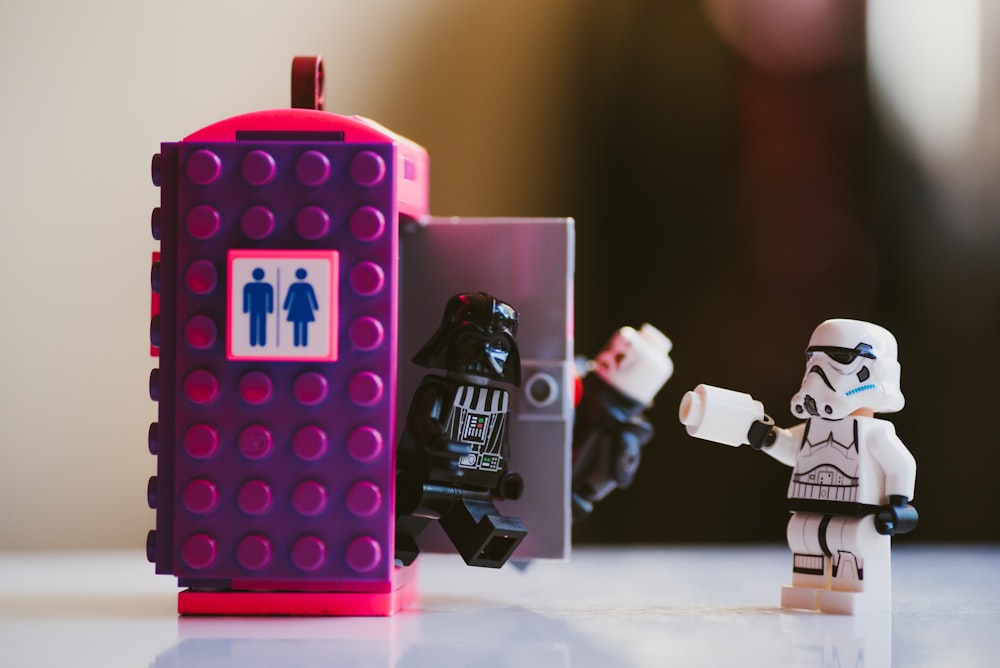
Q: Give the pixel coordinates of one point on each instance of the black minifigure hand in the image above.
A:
(897, 517)
(444, 456)
(628, 455)
(511, 486)
(442, 449)
(761, 433)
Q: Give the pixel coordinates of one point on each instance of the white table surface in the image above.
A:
(662, 606)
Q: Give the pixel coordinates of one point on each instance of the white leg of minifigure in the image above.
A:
(861, 581)
(810, 568)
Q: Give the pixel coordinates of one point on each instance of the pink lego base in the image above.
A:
(304, 604)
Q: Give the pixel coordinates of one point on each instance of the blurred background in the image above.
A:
(739, 170)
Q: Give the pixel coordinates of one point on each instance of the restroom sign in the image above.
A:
(282, 305)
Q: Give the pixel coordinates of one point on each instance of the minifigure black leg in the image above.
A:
(481, 534)
(408, 528)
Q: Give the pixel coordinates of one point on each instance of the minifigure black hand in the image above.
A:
(627, 457)
(761, 433)
(511, 486)
(445, 453)
(441, 447)
(897, 517)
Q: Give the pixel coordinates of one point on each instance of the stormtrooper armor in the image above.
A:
(852, 478)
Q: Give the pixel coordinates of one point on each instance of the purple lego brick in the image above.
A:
(275, 463)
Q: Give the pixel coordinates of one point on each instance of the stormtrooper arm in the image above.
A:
(786, 444)
(900, 468)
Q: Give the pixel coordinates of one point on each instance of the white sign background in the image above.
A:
(276, 341)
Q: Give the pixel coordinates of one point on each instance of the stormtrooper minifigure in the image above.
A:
(852, 479)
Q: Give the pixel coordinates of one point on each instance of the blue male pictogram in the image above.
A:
(258, 301)
(300, 302)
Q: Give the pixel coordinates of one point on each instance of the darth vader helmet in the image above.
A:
(478, 336)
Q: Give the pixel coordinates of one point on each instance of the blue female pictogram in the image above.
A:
(300, 302)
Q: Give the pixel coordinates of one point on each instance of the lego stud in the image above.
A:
(204, 167)
(201, 387)
(256, 387)
(365, 388)
(308, 553)
(309, 443)
(366, 279)
(153, 438)
(310, 388)
(154, 384)
(203, 222)
(201, 441)
(151, 546)
(312, 168)
(154, 331)
(364, 499)
(200, 496)
(367, 223)
(363, 554)
(199, 551)
(155, 276)
(254, 552)
(155, 224)
(364, 444)
(200, 332)
(255, 442)
(309, 498)
(254, 497)
(312, 223)
(151, 493)
(257, 222)
(201, 277)
(367, 169)
(155, 169)
(366, 334)
(258, 168)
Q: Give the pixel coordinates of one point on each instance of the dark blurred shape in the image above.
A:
(791, 37)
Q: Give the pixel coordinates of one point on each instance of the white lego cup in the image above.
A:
(719, 415)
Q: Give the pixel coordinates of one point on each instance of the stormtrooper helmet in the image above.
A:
(850, 365)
